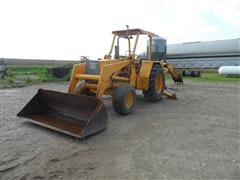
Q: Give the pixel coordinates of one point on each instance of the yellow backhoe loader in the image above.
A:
(81, 112)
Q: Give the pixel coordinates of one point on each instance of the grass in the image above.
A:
(24, 76)
(212, 77)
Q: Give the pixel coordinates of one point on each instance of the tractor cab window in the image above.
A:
(122, 47)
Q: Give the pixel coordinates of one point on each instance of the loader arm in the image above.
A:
(77, 69)
(106, 75)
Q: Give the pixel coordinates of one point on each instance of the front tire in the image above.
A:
(124, 100)
(79, 90)
(156, 84)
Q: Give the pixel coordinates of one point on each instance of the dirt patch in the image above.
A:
(196, 136)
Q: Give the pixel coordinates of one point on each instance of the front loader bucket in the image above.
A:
(78, 116)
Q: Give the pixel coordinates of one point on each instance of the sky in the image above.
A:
(69, 29)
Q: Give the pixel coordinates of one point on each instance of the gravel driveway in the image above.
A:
(196, 136)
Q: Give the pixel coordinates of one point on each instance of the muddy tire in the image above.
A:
(156, 84)
(124, 100)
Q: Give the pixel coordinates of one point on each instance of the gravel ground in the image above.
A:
(194, 137)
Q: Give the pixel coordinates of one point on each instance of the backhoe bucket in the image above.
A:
(75, 115)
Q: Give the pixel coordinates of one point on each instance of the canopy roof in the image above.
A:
(132, 32)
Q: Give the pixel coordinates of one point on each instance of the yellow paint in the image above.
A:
(143, 77)
(129, 99)
(159, 83)
(77, 69)
(105, 81)
(87, 77)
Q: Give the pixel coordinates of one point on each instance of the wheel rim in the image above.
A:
(129, 99)
(159, 83)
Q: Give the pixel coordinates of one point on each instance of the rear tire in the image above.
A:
(156, 84)
(124, 100)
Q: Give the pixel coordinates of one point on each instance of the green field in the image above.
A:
(213, 77)
(25, 76)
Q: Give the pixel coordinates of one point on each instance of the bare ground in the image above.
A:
(194, 137)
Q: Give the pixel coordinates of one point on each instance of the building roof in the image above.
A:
(207, 48)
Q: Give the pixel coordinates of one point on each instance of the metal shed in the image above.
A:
(204, 55)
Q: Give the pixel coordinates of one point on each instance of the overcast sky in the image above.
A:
(67, 29)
